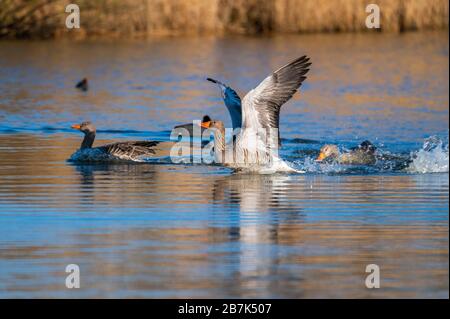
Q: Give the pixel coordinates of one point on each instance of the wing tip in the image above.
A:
(302, 62)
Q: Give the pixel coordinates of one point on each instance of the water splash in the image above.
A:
(432, 158)
(310, 165)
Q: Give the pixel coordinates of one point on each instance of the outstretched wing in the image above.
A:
(230, 96)
(261, 106)
(131, 149)
(232, 102)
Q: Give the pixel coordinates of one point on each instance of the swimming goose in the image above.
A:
(129, 150)
(256, 145)
(363, 154)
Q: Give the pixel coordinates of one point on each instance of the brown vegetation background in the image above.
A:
(141, 18)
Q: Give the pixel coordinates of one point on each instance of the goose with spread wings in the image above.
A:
(256, 145)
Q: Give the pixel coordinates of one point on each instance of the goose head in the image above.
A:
(85, 127)
(213, 124)
(328, 151)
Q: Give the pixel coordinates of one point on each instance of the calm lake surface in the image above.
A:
(164, 230)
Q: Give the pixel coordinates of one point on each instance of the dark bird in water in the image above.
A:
(82, 85)
(363, 154)
(190, 126)
(129, 150)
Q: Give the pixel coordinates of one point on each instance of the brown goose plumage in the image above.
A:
(129, 150)
(363, 154)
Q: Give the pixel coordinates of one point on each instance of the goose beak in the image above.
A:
(76, 126)
(206, 124)
(321, 157)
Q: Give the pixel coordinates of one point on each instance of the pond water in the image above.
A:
(159, 230)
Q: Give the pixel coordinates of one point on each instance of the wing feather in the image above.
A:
(261, 106)
(131, 149)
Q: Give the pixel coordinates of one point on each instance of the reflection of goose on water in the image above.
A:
(129, 150)
(257, 140)
(257, 193)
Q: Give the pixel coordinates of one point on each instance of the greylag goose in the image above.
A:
(363, 154)
(256, 145)
(129, 150)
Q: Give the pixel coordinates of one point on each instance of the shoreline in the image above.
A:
(215, 37)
